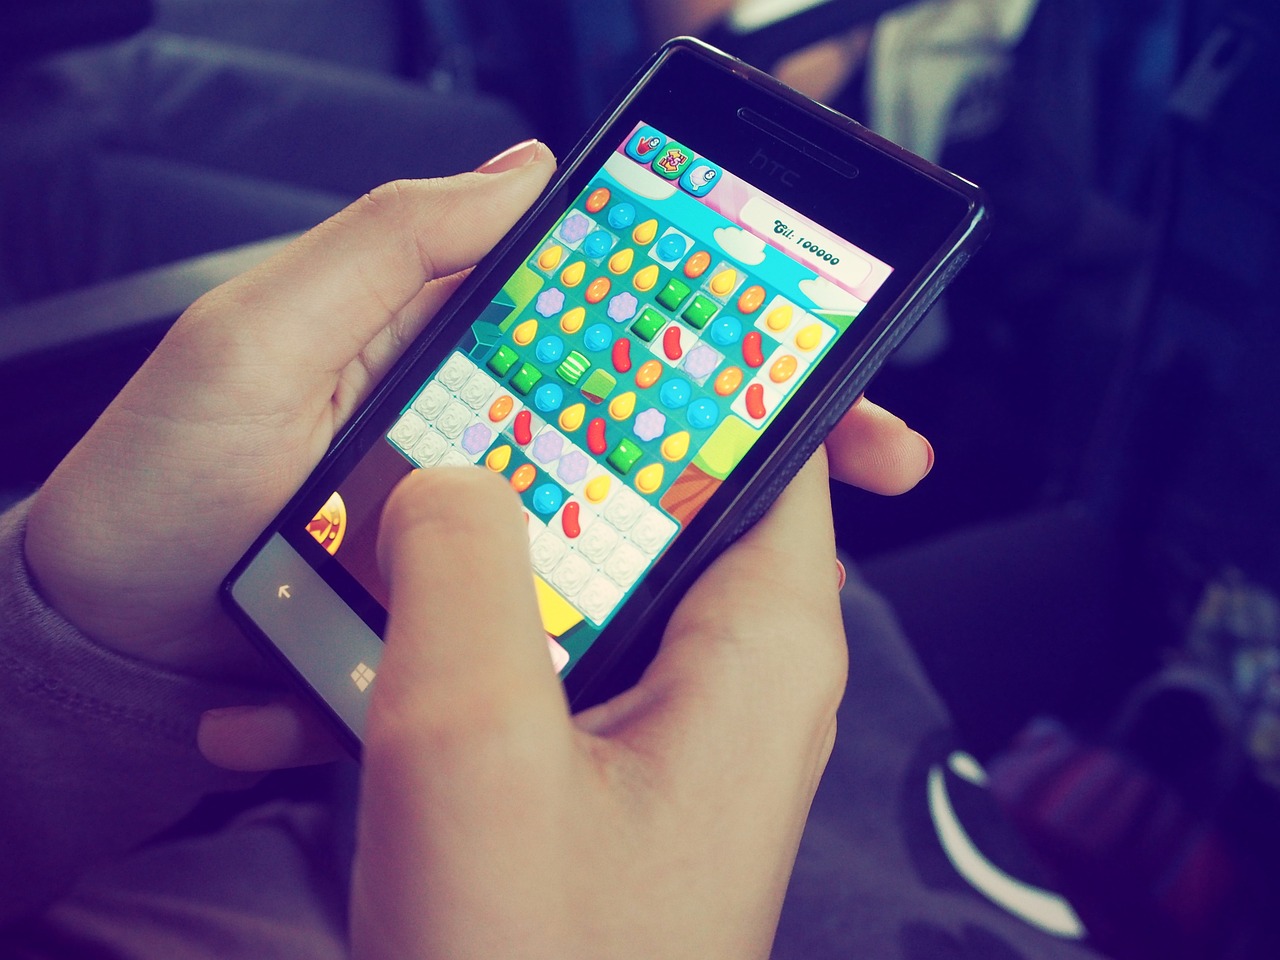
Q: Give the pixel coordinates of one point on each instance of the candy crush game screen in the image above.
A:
(620, 374)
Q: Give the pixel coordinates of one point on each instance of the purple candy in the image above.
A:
(475, 438)
(547, 446)
(649, 425)
(574, 228)
(701, 361)
(573, 467)
(550, 302)
(622, 307)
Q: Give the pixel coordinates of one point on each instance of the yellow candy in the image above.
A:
(676, 446)
(649, 479)
(722, 283)
(573, 273)
(571, 322)
(620, 262)
(750, 299)
(779, 318)
(728, 380)
(808, 338)
(549, 259)
(622, 406)
(646, 278)
(598, 488)
(524, 476)
(571, 417)
(648, 374)
(498, 458)
(783, 368)
(500, 407)
(525, 332)
(645, 232)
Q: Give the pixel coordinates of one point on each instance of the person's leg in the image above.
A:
(875, 877)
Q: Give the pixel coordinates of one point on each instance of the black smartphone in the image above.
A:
(649, 356)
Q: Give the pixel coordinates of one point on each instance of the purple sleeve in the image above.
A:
(98, 750)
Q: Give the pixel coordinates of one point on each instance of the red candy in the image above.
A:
(754, 399)
(671, 343)
(569, 520)
(523, 427)
(622, 355)
(753, 349)
(596, 442)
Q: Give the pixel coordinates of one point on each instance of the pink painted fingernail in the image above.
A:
(509, 159)
(842, 576)
(928, 447)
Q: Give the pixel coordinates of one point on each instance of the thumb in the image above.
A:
(466, 656)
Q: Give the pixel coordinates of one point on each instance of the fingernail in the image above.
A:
(841, 576)
(220, 713)
(928, 449)
(509, 159)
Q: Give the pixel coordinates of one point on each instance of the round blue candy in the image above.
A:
(672, 247)
(550, 349)
(598, 336)
(548, 397)
(726, 331)
(675, 394)
(703, 413)
(597, 245)
(622, 215)
(547, 498)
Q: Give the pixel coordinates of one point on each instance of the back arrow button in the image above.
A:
(284, 593)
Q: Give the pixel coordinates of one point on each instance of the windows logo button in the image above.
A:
(362, 676)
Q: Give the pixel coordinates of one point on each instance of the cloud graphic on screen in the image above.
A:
(827, 296)
(639, 180)
(740, 245)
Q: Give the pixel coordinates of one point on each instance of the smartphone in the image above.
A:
(648, 356)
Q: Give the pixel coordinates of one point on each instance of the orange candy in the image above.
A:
(648, 374)
(750, 299)
(728, 381)
(783, 368)
(697, 265)
(596, 201)
(523, 478)
(597, 290)
(500, 408)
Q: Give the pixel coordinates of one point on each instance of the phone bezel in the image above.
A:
(921, 220)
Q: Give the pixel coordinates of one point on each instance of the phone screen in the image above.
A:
(620, 374)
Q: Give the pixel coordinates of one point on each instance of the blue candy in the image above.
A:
(550, 349)
(598, 336)
(548, 397)
(703, 413)
(726, 331)
(675, 394)
(622, 215)
(672, 247)
(547, 498)
(597, 245)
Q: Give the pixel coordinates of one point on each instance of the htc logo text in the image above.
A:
(761, 163)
